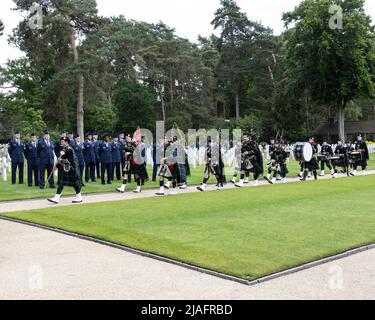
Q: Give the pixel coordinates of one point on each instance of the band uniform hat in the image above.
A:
(66, 139)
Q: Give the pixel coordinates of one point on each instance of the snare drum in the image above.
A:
(338, 160)
(303, 151)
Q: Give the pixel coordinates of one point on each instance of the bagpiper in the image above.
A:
(251, 160)
(214, 166)
(138, 164)
(169, 167)
(128, 151)
(68, 165)
(278, 163)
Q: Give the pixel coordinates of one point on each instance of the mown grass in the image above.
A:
(248, 233)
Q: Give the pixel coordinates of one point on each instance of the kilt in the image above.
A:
(312, 165)
(169, 171)
(140, 170)
(256, 169)
(181, 173)
(127, 167)
(246, 165)
(217, 170)
(283, 169)
(71, 178)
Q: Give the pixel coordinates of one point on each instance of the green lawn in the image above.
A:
(17, 192)
(248, 233)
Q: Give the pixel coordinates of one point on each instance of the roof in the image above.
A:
(351, 127)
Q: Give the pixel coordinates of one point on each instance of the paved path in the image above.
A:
(11, 206)
(41, 264)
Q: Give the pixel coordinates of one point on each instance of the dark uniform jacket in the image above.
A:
(105, 152)
(31, 154)
(361, 145)
(69, 173)
(326, 150)
(78, 149)
(16, 151)
(45, 152)
(89, 151)
(116, 152)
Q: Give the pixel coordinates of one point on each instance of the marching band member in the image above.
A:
(139, 166)
(312, 165)
(252, 160)
(361, 147)
(169, 168)
(326, 153)
(278, 164)
(214, 166)
(68, 166)
(128, 150)
(343, 160)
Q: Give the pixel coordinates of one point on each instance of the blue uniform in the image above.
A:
(46, 156)
(31, 155)
(90, 160)
(16, 149)
(105, 158)
(116, 160)
(78, 149)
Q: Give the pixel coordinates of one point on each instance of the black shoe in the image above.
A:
(119, 190)
(41, 188)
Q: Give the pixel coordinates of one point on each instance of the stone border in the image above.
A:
(192, 267)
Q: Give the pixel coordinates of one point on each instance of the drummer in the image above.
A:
(361, 156)
(341, 159)
(312, 165)
(326, 153)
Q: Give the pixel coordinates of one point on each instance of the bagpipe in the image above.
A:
(66, 165)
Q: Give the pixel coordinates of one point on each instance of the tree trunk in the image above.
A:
(80, 110)
(162, 104)
(237, 105)
(171, 88)
(307, 113)
(341, 120)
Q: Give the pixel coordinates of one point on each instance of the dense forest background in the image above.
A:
(85, 72)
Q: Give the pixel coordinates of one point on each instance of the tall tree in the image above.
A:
(236, 44)
(330, 66)
(53, 47)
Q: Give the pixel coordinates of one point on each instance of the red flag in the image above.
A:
(137, 137)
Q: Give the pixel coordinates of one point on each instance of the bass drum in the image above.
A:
(303, 151)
